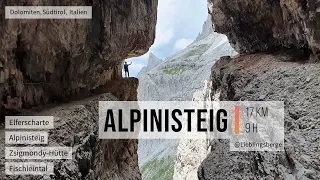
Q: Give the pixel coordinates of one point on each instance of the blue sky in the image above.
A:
(179, 23)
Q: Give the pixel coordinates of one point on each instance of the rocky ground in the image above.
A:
(269, 77)
(76, 126)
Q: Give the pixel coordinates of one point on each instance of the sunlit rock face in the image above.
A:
(264, 25)
(43, 61)
(177, 79)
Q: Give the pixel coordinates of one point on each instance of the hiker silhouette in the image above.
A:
(126, 69)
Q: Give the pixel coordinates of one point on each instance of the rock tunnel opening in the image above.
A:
(180, 74)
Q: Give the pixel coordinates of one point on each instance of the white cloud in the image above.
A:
(163, 37)
(181, 44)
(167, 12)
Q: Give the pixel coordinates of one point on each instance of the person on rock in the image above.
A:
(126, 68)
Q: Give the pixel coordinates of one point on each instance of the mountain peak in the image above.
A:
(207, 29)
(153, 62)
(151, 55)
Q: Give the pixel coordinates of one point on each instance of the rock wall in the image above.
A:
(264, 25)
(43, 61)
(279, 41)
(76, 125)
(46, 61)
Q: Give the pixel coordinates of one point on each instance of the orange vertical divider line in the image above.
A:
(237, 120)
